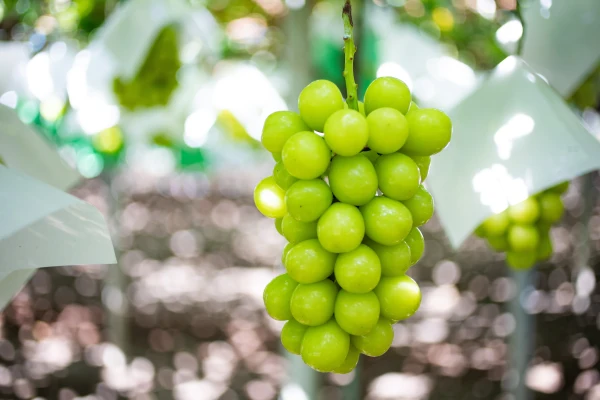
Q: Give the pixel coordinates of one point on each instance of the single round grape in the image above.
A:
(285, 251)
(276, 156)
(523, 238)
(498, 243)
(350, 362)
(560, 188)
(387, 92)
(341, 228)
(395, 259)
(305, 155)
(416, 242)
(388, 130)
(423, 162)
(544, 250)
(277, 295)
(296, 231)
(318, 101)
(278, 225)
(307, 200)
(325, 347)
(420, 206)
(282, 177)
(376, 342)
(309, 262)
(279, 127)
(371, 155)
(353, 179)
(387, 221)
(551, 207)
(525, 212)
(269, 198)
(521, 260)
(312, 304)
(356, 313)
(399, 297)
(430, 132)
(292, 334)
(496, 225)
(358, 271)
(346, 132)
(398, 176)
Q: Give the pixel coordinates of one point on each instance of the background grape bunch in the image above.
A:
(349, 201)
(156, 79)
(523, 230)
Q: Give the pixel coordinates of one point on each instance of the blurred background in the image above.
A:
(159, 104)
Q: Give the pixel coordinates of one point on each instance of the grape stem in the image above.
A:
(349, 51)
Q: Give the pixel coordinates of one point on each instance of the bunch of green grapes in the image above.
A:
(156, 79)
(349, 201)
(523, 230)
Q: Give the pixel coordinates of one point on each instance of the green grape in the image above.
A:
(376, 342)
(312, 304)
(423, 162)
(544, 250)
(346, 132)
(387, 92)
(387, 221)
(285, 251)
(282, 177)
(278, 225)
(325, 347)
(496, 225)
(388, 130)
(277, 296)
(296, 231)
(525, 212)
(399, 297)
(551, 207)
(430, 132)
(269, 198)
(359, 270)
(416, 242)
(356, 313)
(420, 206)
(413, 106)
(371, 155)
(341, 228)
(276, 156)
(307, 200)
(353, 179)
(318, 101)
(350, 362)
(560, 188)
(309, 262)
(279, 127)
(292, 334)
(398, 176)
(479, 231)
(498, 243)
(305, 155)
(522, 238)
(395, 259)
(521, 260)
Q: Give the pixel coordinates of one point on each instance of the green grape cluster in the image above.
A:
(347, 193)
(156, 79)
(523, 229)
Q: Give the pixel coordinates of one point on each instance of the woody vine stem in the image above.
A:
(349, 51)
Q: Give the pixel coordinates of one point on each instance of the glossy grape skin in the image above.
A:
(350, 362)
(398, 176)
(353, 179)
(551, 207)
(525, 212)
(430, 132)
(277, 295)
(309, 262)
(276, 156)
(312, 304)
(305, 155)
(496, 225)
(387, 92)
(283, 178)
(346, 132)
(296, 231)
(420, 206)
(359, 270)
(341, 228)
(395, 259)
(416, 242)
(325, 347)
(307, 200)
(318, 101)
(279, 127)
(523, 238)
(521, 260)
(356, 313)
(388, 130)
(413, 106)
(399, 297)
(269, 198)
(387, 221)
(498, 243)
(278, 222)
(285, 251)
(423, 162)
(292, 334)
(376, 342)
